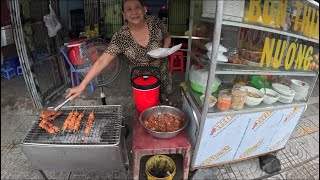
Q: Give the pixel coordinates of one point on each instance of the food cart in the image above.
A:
(260, 92)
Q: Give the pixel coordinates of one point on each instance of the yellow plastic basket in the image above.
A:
(162, 162)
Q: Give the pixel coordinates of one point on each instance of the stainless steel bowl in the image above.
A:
(164, 109)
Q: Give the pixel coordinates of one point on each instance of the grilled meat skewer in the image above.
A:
(49, 115)
(66, 122)
(78, 121)
(89, 123)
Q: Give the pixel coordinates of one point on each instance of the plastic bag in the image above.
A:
(221, 57)
(200, 76)
(52, 23)
(221, 48)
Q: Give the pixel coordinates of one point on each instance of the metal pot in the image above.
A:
(163, 109)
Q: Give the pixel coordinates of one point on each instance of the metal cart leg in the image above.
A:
(43, 175)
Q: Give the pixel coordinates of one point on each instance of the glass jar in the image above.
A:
(239, 94)
(232, 52)
(224, 100)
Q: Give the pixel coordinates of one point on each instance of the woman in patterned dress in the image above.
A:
(139, 35)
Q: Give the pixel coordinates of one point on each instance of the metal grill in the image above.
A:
(105, 129)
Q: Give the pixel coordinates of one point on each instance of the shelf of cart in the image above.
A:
(261, 28)
(230, 68)
(195, 96)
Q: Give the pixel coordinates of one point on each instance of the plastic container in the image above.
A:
(224, 100)
(146, 92)
(75, 50)
(199, 88)
(260, 82)
(238, 97)
(162, 162)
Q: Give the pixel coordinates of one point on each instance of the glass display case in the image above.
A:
(268, 48)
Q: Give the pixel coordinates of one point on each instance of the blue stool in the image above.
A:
(19, 70)
(8, 72)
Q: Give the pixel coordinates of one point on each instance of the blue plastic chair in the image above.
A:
(7, 72)
(65, 53)
(19, 70)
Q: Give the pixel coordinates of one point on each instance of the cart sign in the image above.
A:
(221, 137)
(276, 12)
(259, 133)
(236, 137)
(285, 128)
(297, 54)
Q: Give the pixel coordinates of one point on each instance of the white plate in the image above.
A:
(163, 52)
(282, 89)
(286, 102)
(285, 98)
(158, 53)
(300, 84)
(250, 63)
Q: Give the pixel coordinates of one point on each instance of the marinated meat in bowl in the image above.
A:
(163, 121)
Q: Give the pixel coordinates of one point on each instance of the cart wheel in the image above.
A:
(270, 163)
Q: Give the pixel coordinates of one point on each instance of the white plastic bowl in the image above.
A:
(297, 84)
(252, 101)
(212, 102)
(269, 99)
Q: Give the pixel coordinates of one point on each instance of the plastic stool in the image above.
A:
(19, 70)
(8, 72)
(176, 61)
(153, 146)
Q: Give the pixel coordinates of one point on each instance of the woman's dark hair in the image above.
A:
(127, 0)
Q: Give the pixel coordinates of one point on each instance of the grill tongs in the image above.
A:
(60, 105)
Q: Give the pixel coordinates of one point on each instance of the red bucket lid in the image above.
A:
(145, 82)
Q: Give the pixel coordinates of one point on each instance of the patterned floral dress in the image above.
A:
(123, 42)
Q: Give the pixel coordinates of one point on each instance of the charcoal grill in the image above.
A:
(102, 149)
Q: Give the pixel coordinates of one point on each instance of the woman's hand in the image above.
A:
(97, 67)
(75, 92)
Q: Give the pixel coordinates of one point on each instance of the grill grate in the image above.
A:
(105, 128)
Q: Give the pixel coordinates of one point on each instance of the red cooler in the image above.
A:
(146, 91)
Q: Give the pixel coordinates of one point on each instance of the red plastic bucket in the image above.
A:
(146, 91)
(75, 52)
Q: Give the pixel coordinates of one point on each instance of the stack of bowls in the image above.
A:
(286, 93)
(301, 88)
